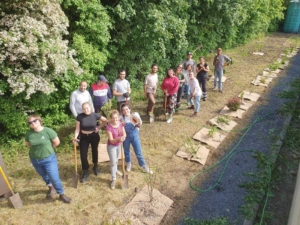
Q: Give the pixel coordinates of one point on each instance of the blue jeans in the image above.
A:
(218, 75)
(132, 137)
(197, 105)
(47, 168)
(187, 90)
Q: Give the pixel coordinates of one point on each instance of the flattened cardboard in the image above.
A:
(223, 126)
(203, 136)
(245, 105)
(268, 74)
(228, 112)
(200, 156)
(250, 96)
(141, 211)
(257, 81)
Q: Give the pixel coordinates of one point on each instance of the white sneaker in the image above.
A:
(113, 185)
(169, 120)
(119, 173)
(128, 167)
(146, 169)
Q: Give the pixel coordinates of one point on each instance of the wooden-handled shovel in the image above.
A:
(124, 177)
(15, 199)
(75, 175)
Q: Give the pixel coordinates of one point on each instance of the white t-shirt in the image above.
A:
(151, 82)
(194, 85)
(121, 86)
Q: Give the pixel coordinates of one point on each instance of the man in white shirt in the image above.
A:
(78, 97)
(121, 89)
(150, 87)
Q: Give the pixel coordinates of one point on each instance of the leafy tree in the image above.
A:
(33, 56)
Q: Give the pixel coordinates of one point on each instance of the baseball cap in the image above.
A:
(102, 78)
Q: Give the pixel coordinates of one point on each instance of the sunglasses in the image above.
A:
(33, 121)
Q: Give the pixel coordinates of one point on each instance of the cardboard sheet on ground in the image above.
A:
(223, 126)
(258, 79)
(228, 112)
(268, 74)
(213, 78)
(245, 105)
(258, 53)
(203, 136)
(200, 156)
(102, 153)
(141, 211)
(250, 96)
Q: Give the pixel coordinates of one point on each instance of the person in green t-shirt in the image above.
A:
(42, 141)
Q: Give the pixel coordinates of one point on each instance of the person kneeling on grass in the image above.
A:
(132, 123)
(196, 93)
(116, 135)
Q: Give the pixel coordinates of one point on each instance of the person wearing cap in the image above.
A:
(78, 97)
(220, 61)
(189, 60)
(121, 89)
(101, 93)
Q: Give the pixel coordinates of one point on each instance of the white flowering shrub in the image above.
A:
(33, 52)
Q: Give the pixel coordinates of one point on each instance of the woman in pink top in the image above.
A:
(170, 87)
(116, 135)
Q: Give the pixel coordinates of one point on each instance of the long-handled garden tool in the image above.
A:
(75, 175)
(200, 46)
(124, 177)
(165, 106)
(15, 199)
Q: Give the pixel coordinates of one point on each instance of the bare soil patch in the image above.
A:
(95, 203)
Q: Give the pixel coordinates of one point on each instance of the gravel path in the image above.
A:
(227, 197)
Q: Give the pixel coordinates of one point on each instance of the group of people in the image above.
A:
(122, 126)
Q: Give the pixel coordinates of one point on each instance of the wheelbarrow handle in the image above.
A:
(5, 179)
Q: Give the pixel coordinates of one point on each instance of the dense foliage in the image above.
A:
(45, 45)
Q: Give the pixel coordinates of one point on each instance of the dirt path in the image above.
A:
(94, 202)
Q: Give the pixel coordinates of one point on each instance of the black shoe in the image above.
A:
(96, 170)
(51, 192)
(204, 99)
(84, 177)
(65, 198)
(191, 107)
